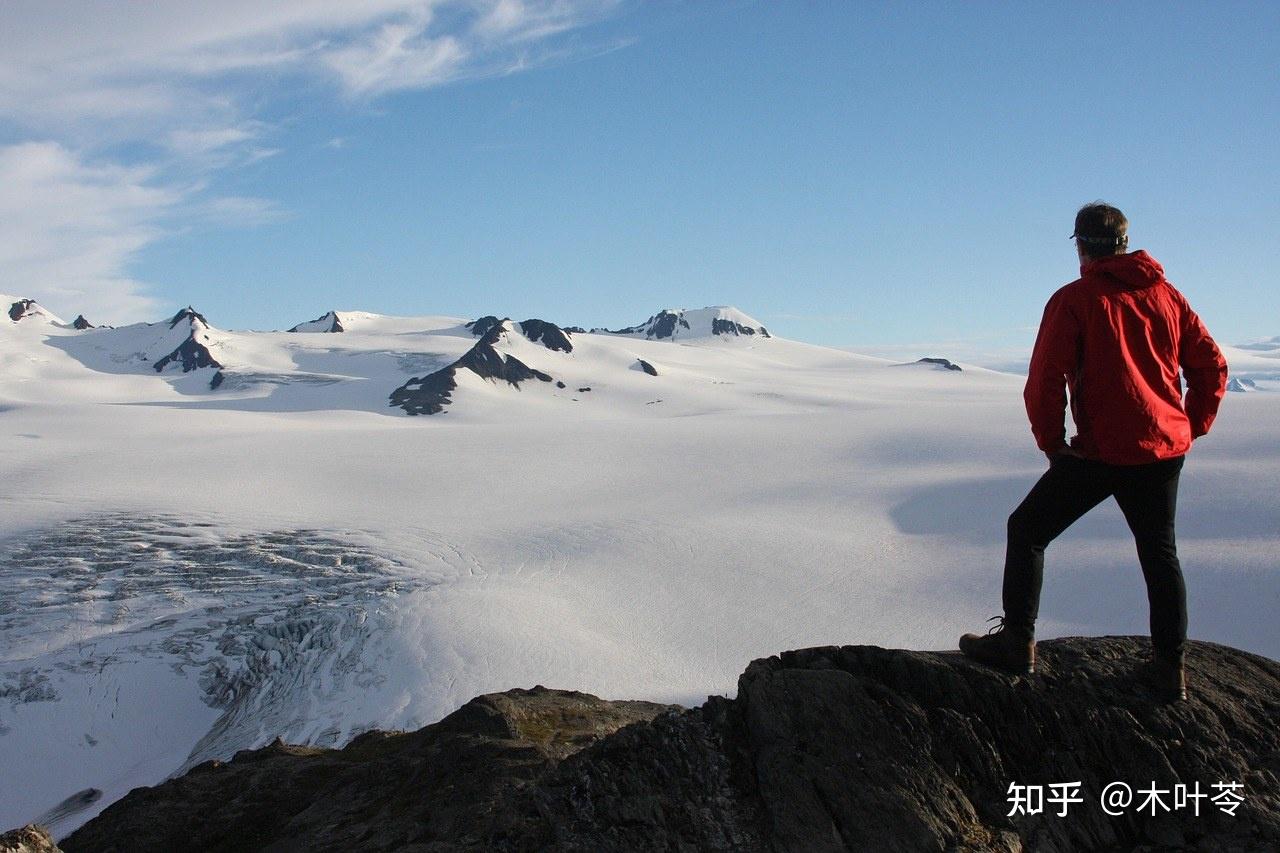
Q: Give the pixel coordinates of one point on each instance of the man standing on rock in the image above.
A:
(1117, 339)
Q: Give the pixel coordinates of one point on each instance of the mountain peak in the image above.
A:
(189, 315)
(682, 323)
(29, 309)
(328, 322)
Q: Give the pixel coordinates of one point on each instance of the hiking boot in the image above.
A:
(1167, 675)
(1004, 647)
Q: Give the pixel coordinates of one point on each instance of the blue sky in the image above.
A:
(886, 176)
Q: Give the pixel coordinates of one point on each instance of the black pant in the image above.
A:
(1148, 496)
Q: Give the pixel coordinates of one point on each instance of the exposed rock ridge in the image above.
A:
(22, 308)
(430, 394)
(193, 353)
(732, 327)
(661, 325)
(327, 322)
(829, 749)
(548, 334)
(673, 323)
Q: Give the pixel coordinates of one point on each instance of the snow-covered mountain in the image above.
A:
(210, 538)
(1254, 366)
(412, 365)
(27, 311)
(683, 324)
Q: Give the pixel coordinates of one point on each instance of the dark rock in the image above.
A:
(452, 785)
(81, 323)
(334, 324)
(839, 748)
(731, 327)
(218, 378)
(191, 354)
(189, 315)
(482, 326)
(21, 308)
(559, 384)
(664, 325)
(941, 362)
(584, 389)
(430, 394)
(551, 335)
(647, 367)
(28, 839)
(659, 326)
(576, 330)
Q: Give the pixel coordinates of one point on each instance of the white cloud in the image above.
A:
(81, 78)
(71, 228)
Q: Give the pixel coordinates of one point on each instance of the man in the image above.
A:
(1117, 339)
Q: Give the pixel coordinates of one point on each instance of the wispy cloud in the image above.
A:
(71, 228)
(181, 80)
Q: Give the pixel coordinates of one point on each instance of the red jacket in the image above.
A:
(1117, 338)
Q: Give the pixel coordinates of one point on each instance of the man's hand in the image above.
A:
(1064, 450)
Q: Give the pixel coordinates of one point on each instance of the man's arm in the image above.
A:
(1054, 357)
(1205, 371)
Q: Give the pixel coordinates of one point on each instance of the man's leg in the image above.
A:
(1070, 488)
(1148, 496)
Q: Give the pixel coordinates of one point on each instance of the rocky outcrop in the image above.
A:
(549, 334)
(28, 839)
(80, 323)
(188, 315)
(732, 327)
(451, 784)
(647, 367)
(828, 749)
(661, 326)
(19, 309)
(193, 352)
(430, 394)
(24, 308)
(713, 321)
(945, 364)
(483, 325)
(539, 331)
(327, 322)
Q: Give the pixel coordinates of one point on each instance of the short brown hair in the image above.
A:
(1101, 229)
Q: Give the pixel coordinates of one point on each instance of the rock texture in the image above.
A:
(830, 749)
(28, 839)
(430, 394)
(327, 322)
(22, 308)
(193, 353)
(549, 334)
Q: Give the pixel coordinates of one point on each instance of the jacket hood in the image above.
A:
(1133, 271)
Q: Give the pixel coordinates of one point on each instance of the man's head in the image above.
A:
(1101, 230)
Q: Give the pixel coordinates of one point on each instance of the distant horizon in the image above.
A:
(1006, 359)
